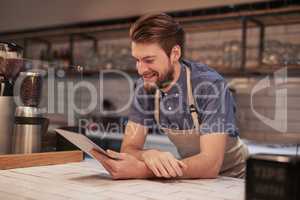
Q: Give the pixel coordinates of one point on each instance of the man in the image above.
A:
(189, 102)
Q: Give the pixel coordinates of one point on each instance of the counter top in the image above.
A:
(89, 180)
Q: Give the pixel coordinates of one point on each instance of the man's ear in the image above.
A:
(175, 54)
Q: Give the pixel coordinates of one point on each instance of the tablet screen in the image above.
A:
(82, 142)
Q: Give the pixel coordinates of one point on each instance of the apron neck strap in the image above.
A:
(157, 107)
(190, 98)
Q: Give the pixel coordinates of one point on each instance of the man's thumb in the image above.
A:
(115, 154)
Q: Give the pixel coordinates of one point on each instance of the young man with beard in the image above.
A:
(187, 101)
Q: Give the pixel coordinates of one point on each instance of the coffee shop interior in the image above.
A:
(68, 65)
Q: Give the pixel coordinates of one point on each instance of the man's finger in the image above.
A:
(168, 167)
(98, 155)
(152, 167)
(108, 168)
(175, 165)
(182, 164)
(117, 155)
(103, 160)
(161, 169)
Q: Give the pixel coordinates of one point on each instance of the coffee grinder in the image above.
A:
(29, 124)
(11, 63)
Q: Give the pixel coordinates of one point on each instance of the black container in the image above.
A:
(31, 88)
(11, 62)
(275, 177)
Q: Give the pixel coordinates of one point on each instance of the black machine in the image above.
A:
(275, 177)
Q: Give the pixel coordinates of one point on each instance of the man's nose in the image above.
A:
(141, 68)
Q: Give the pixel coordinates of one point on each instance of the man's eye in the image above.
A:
(149, 61)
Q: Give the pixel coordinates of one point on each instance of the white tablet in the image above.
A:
(83, 143)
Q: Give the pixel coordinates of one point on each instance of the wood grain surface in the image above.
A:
(11, 161)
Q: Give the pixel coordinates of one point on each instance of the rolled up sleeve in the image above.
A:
(141, 110)
(216, 108)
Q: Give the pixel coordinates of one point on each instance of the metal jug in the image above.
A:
(28, 130)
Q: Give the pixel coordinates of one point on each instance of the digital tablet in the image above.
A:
(83, 143)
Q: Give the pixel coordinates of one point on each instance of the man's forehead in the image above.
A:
(141, 50)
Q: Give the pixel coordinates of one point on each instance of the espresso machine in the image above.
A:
(11, 63)
(29, 124)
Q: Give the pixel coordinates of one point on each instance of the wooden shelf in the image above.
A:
(259, 14)
(92, 72)
(289, 15)
(258, 70)
(232, 20)
(227, 71)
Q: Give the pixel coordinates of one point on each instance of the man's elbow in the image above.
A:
(214, 169)
(208, 174)
(213, 173)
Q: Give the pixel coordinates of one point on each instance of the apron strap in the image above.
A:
(190, 98)
(156, 107)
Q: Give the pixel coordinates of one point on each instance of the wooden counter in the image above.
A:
(89, 180)
(11, 161)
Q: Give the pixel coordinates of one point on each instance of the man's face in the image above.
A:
(153, 65)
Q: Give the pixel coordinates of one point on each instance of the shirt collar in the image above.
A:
(179, 83)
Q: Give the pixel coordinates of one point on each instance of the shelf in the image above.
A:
(93, 72)
(243, 16)
(292, 70)
(271, 17)
(192, 20)
(78, 35)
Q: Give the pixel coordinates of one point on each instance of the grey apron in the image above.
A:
(187, 142)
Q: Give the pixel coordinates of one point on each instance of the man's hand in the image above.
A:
(126, 167)
(163, 164)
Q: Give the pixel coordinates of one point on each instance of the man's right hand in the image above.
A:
(163, 164)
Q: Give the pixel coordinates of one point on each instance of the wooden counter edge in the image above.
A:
(11, 161)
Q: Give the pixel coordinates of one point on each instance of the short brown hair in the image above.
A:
(158, 28)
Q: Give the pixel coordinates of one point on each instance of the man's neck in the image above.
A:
(175, 79)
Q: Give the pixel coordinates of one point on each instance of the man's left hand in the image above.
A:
(126, 167)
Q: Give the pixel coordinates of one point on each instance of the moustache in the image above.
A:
(149, 73)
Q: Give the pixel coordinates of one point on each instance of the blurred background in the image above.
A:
(246, 41)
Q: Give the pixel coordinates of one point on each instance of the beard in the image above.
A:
(162, 82)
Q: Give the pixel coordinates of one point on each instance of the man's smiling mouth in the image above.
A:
(149, 75)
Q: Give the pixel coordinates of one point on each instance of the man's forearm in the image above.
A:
(201, 166)
(138, 153)
(145, 172)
